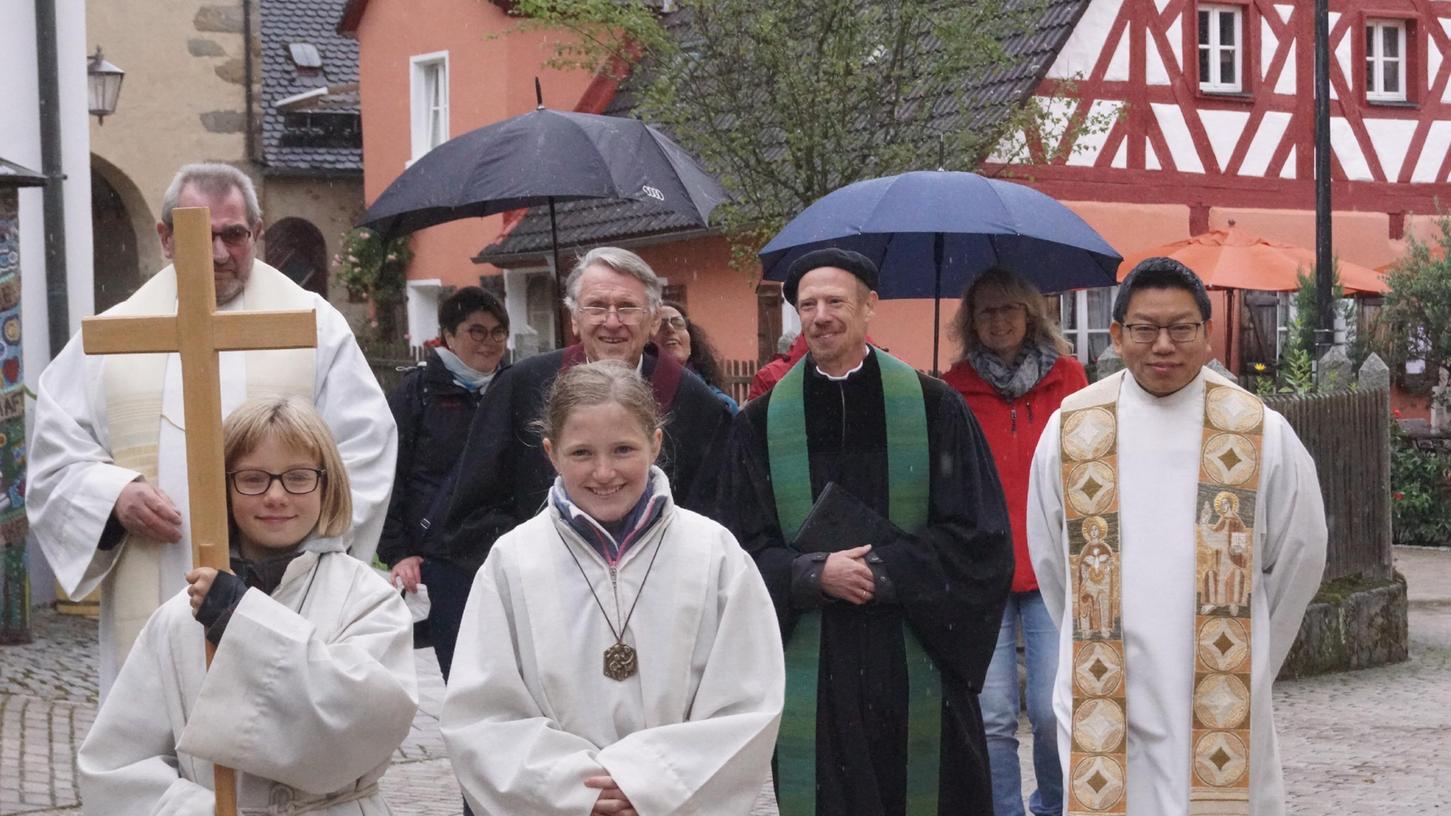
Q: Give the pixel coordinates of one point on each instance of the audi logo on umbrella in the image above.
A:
(653, 193)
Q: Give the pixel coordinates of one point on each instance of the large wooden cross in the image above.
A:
(198, 332)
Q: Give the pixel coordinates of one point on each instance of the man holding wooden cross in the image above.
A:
(108, 481)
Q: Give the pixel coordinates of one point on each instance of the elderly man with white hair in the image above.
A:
(108, 480)
(503, 478)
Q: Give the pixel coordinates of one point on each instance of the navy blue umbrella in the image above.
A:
(931, 231)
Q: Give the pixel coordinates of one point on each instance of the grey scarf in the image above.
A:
(1013, 380)
(465, 375)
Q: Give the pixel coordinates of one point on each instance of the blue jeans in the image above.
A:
(1000, 708)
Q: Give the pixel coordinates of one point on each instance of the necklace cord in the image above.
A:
(620, 633)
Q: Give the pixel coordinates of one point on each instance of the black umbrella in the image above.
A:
(542, 157)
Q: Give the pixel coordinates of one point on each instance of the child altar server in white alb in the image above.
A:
(312, 687)
(619, 654)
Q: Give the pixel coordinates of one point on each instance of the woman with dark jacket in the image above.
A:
(434, 406)
(1015, 370)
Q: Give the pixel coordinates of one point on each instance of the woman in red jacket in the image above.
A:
(1015, 370)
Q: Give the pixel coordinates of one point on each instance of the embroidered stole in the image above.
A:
(908, 486)
(1227, 493)
(135, 384)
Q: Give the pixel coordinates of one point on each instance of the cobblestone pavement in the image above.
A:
(1376, 741)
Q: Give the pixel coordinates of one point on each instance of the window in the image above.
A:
(324, 129)
(1221, 46)
(306, 58)
(430, 102)
(1084, 317)
(1385, 60)
(421, 299)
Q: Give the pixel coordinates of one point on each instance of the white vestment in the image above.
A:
(529, 713)
(74, 481)
(1159, 447)
(309, 694)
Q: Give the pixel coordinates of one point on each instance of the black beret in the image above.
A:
(853, 262)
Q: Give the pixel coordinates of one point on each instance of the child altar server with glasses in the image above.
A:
(312, 687)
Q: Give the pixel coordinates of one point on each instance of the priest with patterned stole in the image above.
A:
(108, 482)
(868, 497)
(1178, 533)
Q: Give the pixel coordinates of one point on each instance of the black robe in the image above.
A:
(950, 581)
(504, 476)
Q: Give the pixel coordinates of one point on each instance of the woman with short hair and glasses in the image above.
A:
(434, 407)
(312, 686)
(682, 339)
(1014, 371)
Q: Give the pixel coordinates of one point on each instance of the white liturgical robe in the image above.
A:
(529, 713)
(1159, 446)
(311, 691)
(75, 481)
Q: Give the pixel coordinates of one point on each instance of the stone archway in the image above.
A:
(116, 271)
(124, 233)
(297, 248)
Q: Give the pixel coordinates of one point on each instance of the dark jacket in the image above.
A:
(505, 477)
(1012, 430)
(433, 414)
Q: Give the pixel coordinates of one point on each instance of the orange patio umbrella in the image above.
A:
(1234, 259)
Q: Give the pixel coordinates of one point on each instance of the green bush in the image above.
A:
(1420, 493)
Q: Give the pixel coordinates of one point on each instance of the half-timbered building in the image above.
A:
(1201, 115)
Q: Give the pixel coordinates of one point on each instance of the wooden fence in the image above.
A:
(1348, 435)
(736, 376)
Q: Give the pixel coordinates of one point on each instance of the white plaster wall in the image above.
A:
(1081, 51)
(20, 143)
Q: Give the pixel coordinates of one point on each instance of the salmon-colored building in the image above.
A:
(1212, 124)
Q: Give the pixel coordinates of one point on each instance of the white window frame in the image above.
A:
(1214, 82)
(421, 299)
(1080, 336)
(428, 109)
(1377, 61)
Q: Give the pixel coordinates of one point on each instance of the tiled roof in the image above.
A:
(306, 139)
(590, 223)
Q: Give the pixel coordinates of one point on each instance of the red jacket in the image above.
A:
(771, 373)
(1012, 430)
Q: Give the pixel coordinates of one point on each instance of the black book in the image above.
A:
(839, 521)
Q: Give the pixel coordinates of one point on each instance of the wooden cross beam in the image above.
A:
(198, 333)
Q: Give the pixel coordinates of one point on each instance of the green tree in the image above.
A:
(786, 102)
(373, 268)
(1415, 323)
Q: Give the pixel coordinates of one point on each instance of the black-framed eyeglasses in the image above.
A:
(233, 236)
(479, 334)
(1149, 332)
(677, 323)
(298, 481)
(627, 314)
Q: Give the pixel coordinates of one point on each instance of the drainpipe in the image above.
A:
(47, 61)
(1324, 310)
(249, 142)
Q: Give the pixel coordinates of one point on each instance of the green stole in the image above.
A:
(908, 484)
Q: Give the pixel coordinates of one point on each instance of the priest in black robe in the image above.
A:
(503, 476)
(937, 589)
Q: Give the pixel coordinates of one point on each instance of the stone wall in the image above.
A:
(331, 205)
(1351, 627)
